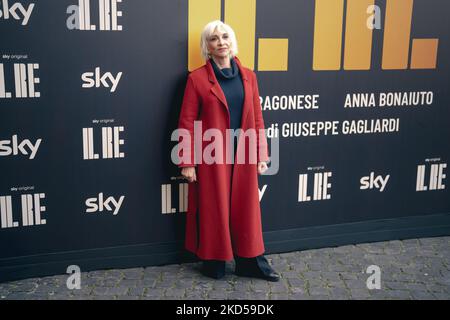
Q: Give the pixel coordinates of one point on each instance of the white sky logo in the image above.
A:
(110, 204)
(96, 79)
(13, 11)
(370, 182)
(8, 147)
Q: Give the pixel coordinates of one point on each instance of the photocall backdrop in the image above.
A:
(91, 90)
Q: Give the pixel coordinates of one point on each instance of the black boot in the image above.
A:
(213, 268)
(257, 267)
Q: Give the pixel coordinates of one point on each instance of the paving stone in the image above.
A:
(59, 296)
(311, 275)
(295, 282)
(242, 286)
(348, 276)
(337, 268)
(195, 297)
(299, 296)
(150, 283)
(136, 291)
(43, 289)
(399, 294)
(437, 288)
(416, 287)
(279, 287)
(103, 297)
(100, 290)
(110, 282)
(396, 285)
(128, 282)
(133, 275)
(403, 277)
(339, 293)
(291, 274)
(378, 295)
(169, 283)
(153, 293)
(315, 283)
(117, 291)
(183, 283)
(24, 287)
(335, 284)
(441, 296)
(316, 266)
(279, 296)
(319, 297)
(258, 296)
(235, 295)
(18, 296)
(356, 284)
(318, 291)
(152, 274)
(300, 290)
(91, 281)
(359, 294)
(97, 274)
(128, 297)
(84, 291)
(175, 293)
(218, 294)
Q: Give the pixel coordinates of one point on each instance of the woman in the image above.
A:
(224, 218)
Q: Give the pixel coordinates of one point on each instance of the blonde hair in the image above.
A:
(209, 30)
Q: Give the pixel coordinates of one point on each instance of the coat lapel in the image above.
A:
(248, 92)
(218, 92)
(216, 89)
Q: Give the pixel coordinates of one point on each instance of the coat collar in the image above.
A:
(216, 89)
(212, 77)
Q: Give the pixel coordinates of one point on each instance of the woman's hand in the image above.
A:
(189, 173)
(262, 167)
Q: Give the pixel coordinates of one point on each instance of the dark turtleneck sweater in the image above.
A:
(233, 89)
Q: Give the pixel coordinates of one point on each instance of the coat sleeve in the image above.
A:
(189, 113)
(259, 122)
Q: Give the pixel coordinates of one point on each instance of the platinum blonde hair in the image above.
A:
(209, 30)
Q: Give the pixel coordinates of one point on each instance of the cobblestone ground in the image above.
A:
(410, 269)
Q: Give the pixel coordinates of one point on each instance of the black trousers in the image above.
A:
(253, 265)
(256, 265)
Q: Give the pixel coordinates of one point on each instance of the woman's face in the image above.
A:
(219, 44)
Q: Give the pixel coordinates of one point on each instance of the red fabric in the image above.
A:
(224, 216)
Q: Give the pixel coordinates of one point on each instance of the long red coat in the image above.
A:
(224, 215)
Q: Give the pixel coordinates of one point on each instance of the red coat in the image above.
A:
(224, 215)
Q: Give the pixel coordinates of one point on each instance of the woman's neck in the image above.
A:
(222, 62)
